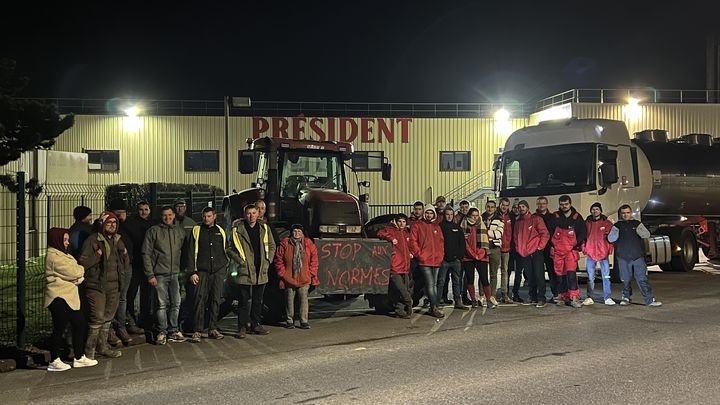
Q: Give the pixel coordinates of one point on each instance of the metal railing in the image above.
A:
(622, 96)
(466, 189)
(117, 106)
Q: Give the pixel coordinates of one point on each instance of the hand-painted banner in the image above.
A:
(349, 266)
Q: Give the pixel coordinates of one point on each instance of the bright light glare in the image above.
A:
(132, 111)
(633, 110)
(502, 115)
(555, 113)
(683, 218)
(132, 124)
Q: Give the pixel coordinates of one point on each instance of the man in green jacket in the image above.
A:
(162, 250)
(251, 251)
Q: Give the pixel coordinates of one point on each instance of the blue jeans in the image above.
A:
(167, 303)
(121, 314)
(638, 269)
(604, 273)
(454, 267)
(431, 277)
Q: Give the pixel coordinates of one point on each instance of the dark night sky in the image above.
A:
(402, 51)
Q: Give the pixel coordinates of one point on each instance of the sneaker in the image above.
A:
(195, 338)
(58, 365)
(305, 325)
(588, 301)
(494, 301)
(517, 299)
(435, 312)
(655, 303)
(426, 303)
(289, 325)
(124, 336)
(625, 301)
(609, 301)
(84, 362)
(540, 304)
(575, 302)
(474, 304)
(552, 301)
(259, 330)
(482, 301)
(161, 339)
(506, 300)
(460, 306)
(215, 334)
(490, 305)
(531, 302)
(177, 337)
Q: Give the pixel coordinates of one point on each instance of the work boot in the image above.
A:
(91, 342)
(134, 329)
(103, 348)
(241, 333)
(113, 339)
(460, 305)
(435, 312)
(124, 336)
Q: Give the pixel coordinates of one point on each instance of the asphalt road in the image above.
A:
(513, 354)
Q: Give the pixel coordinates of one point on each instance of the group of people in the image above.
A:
(436, 240)
(96, 268)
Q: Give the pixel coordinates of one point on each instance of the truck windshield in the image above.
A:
(305, 170)
(557, 169)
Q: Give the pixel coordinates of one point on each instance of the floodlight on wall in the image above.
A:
(633, 110)
(131, 121)
(503, 126)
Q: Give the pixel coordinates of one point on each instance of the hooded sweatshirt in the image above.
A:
(427, 242)
(62, 272)
(597, 246)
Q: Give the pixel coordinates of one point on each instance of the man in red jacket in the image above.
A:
(597, 249)
(530, 237)
(399, 236)
(568, 235)
(426, 244)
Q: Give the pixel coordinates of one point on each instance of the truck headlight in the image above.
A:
(329, 228)
(353, 229)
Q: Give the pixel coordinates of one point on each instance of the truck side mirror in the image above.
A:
(386, 171)
(248, 161)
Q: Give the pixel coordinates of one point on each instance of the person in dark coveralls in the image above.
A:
(105, 259)
(251, 251)
(627, 235)
(207, 266)
(398, 234)
(296, 264)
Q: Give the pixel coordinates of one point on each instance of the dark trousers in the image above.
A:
(208, 295)
(636, 269)
(514, 264)
(250, 300)
(550, 270)
(418, 281)
(469, 268)
(138, 281)
(535, 272)
(101, 305)
(399, 293)
(62, 315)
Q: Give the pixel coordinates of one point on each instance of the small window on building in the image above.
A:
(103, 160)
(368, 161)
(454, 161)
(202, 160)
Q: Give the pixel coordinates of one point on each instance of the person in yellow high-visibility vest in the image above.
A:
(251, 252)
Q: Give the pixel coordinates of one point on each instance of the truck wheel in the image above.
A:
(685, 261)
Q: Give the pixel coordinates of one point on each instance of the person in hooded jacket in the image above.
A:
(568, 232)
(296, 264)
(426, 244)
(454, 248)
(105, 259)
(63, 275)
(398, 234)
(597, 249)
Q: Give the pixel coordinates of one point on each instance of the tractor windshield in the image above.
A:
(306, 169)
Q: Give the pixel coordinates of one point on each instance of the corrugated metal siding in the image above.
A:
(24, 164)
(677, 119)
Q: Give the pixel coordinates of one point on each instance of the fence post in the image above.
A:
(20, 260)
(47, 224)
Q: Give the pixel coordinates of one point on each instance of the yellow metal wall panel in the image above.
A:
(677, 119)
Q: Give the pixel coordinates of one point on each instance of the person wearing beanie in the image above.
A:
(568, 234)
(181, 218)
(398, 292)
(427, 244)
(105, 259)
(296, 264)
(627, 234)
(63, 275)
(454, 252)
(597, 249)
(118, 332)
(476, 258)
(530, 237)
(80, 230)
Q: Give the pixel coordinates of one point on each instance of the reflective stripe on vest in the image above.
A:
(238, 246)
(196, 235)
